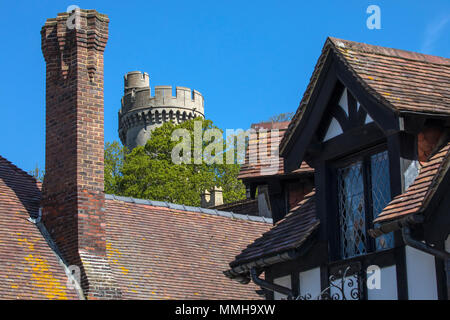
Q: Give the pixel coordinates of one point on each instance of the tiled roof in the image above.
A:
(212, 211)
(166, 251)
(29, 269)
(417, 196)
(289, 233)
(157, 250)
(401, 80)
(247, 206)
(260, 141)
(408, 81)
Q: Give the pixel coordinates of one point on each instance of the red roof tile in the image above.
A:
(289, 233)
(417, 196)
(163, 253)
(263, 141)
(29, 269)
(155, 252)
(401, 80)
(408, 81)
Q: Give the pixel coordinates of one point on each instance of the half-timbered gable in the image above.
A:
(374, 124)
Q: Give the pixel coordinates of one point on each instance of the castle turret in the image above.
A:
(135, 80)
(141, 112)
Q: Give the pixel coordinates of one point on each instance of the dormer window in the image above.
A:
(363, 192)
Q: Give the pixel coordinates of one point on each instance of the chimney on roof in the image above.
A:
(73, 208)
(213, 198)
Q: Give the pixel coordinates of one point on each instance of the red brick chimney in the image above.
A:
(73, 190)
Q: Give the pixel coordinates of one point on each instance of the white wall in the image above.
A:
(282, 281)
(421, 275)
(334, 129)
(343, 101)
(310, 283)
(388, 285)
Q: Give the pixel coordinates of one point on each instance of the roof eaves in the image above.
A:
(296, 246)
(287, 254)
(242, 269)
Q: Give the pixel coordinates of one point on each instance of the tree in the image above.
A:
(287, 116)
(114, 156)
(37, 173)
(148, 171)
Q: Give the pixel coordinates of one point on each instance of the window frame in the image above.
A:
(365, 157)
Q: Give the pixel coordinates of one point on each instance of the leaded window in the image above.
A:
(352, 210)
(381, 194)
(363, 192)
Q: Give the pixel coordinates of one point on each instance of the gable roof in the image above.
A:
(167, 251)
(29, 269)
(156, 250)
(416, 198)
(402, 80)
(259, 141)
(289, 233)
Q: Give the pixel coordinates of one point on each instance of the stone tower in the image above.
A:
(141, 112)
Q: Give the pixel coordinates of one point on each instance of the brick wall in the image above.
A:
(73, 190)
(297, 191)
(427, 142)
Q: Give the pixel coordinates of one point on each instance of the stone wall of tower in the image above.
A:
(141, 112)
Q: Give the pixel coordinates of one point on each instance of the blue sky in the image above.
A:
(250, 59)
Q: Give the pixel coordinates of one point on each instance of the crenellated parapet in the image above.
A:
(141, 112)
(184, 98)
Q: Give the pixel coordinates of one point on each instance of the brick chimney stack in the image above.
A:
(73, 190)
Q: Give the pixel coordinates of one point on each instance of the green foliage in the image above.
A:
(37, 173)
(148, 171)
(114, 157)
(287, 116)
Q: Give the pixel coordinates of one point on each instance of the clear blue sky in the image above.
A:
(250, 59)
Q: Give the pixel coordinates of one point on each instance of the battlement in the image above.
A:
(135, 80)
(140, 97)
(141, 112)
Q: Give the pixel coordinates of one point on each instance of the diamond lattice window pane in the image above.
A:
(381, 193)
(352, 210)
